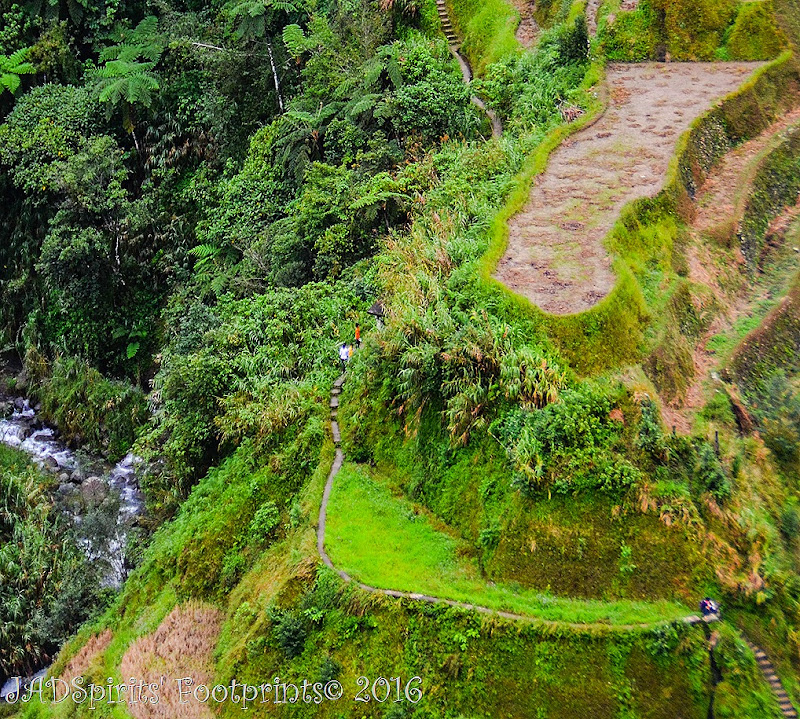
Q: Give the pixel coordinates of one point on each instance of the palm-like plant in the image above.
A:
(127, 77)
(251, 17)
(12, 66)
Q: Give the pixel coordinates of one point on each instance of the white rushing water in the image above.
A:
(85, 476)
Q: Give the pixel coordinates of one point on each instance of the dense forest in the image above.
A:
(201, 201)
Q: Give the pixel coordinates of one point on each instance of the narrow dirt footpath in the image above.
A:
(555, 255)
(528, 30)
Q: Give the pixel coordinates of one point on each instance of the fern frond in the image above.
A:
(295, 40)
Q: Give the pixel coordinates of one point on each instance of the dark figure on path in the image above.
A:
(709, 608)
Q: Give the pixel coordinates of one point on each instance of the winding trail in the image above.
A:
(764, 664)
(466, 70)
(321, 525)
(555, 255)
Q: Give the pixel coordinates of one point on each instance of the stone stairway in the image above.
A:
(466, 70)
(768, 670)
(447, 26)
(334, 405)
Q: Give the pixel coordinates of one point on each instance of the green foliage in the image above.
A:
(12, 66)
(790, 523)
(529, 90)
(693, 29)
(252, 373)
(632, 36)
(710, 475)
(704, 30)
(755, 34)
(467, 362)
(48, 588)
(289, 632)
(264, 521)
(91, 409)
(127, 77)
(569, 446)
(432, 100)
(253, 18)
(776, 186)
(47, 124)
(487, 29)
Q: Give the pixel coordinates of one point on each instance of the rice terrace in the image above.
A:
(400, 358)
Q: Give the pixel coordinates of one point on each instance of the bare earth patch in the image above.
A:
(182, 646)
(555, 255)
(528, 29)
(80, 663)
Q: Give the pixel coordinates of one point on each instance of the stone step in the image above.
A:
(334, 402)
(769, 673)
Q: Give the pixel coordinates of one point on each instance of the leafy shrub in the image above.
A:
(790, 522)
(650, 437)
(489, 537)
(289, 631)
(710, 475)
(528, 90)
(432, 99)
(572, 445)
(89, 408)
(265, 520)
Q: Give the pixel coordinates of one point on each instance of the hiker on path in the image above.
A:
(358, 336)
(344, 356)
(709, 609)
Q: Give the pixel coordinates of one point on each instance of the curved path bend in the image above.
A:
(323, 516)
(785, 704)
(555, 255)
(466, 70)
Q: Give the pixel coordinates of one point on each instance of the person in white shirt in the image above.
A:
(344, 355)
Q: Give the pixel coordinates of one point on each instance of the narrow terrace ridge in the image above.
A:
(555, 255)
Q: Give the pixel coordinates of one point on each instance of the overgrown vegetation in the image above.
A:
(200, 204)
(48, 586)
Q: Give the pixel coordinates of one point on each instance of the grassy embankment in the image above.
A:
(386, 540)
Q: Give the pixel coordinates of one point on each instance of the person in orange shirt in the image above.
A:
(358, 336)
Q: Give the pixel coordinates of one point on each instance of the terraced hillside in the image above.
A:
(555, 255)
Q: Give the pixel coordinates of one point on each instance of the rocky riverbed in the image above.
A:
(102, 500)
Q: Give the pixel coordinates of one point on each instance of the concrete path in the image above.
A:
(322, 523)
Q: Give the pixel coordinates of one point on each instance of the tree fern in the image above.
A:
(143, 41)
(132, 82)
(295, 40)
(12, 66)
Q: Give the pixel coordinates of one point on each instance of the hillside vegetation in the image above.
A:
(202, 201)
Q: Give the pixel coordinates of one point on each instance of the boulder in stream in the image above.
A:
(94, 490)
